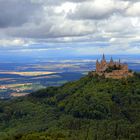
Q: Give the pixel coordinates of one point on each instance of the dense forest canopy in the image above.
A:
(92, 108)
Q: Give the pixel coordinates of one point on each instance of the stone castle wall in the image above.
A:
(121, 70)
(118, 74)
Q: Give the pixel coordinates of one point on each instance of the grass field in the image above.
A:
(28, 73)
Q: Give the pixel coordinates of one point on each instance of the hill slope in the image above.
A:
(92, 108)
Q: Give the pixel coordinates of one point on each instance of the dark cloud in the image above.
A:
(49, 29)
(25, 22)
(17, 12)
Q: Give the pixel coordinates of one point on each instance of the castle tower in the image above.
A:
(111, 63)
(111, 60)
(97, 66)
(116, 70)
(103, 61)
(103, 58)
(119, 61)
(103, 64)
(97, 62)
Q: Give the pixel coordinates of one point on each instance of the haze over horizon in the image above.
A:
(69, 27)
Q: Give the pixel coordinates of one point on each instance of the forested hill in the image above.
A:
(92, 108)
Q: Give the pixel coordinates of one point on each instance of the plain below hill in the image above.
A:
(92, 108)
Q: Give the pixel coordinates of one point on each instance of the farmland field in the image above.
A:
(19, 79)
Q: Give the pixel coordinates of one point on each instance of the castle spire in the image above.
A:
(111, 63)
(111, 60)
(119, 61)
(103, 58)
(103, 61)
(97, 62)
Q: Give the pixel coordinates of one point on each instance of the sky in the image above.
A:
(78, 27)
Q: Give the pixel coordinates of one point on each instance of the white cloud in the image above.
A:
(135, 22)
(134, 9)
(14, 42)
(96, 22)
(98, 9)
(65, 7)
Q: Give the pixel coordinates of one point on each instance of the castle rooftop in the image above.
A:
(112, 69)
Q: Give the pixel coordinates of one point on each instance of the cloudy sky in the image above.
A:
(80, 26)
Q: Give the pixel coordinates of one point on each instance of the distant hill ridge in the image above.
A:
(92, 108)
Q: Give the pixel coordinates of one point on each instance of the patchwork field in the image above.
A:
(19, 79)
(36, 73)
(21, 84)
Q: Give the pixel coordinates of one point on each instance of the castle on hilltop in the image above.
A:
(112, 69)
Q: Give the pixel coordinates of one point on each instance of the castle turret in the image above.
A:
(111, 60)
(115, 70)
(111, 63)
(97, 66)
(103, 58)
(119, 61)
(97, 62)
(103, 61)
